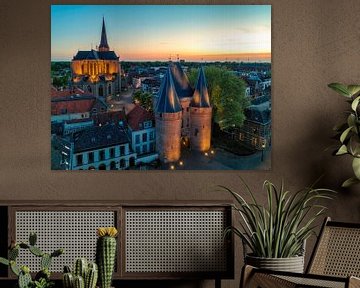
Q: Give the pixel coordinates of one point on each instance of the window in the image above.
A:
(112, 152)
(91, 157)
(152, 135)
(102, 155)
(137, 149)
(94, 110)
(109, 89)
(144, 137)
(63, 111)
(147, 124)
(152, 147)
(137, 139)
(122, 163)
(144, 148)
(122, 150)
(196, 132)
(79, 159)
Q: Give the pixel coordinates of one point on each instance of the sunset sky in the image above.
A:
(153, 32)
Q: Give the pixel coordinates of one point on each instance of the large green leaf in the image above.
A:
(342, 150)
(353, 89)
(349, 182)
(340, 88)
(345, 134)
(355, 103)
(356, 167)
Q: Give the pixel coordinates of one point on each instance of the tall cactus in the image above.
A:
(81, 265)
(106, 254)
(84, 276)
(91, 276)
(79, 282)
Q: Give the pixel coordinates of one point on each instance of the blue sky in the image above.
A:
(153, 32)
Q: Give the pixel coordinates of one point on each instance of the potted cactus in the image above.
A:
(42, 278)
(106, 254)
(85, 275)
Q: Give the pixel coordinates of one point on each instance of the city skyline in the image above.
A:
(223, 32)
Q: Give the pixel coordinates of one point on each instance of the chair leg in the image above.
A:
(217, 283)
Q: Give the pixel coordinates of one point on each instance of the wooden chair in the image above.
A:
(334, 263)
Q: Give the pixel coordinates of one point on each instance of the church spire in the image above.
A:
(104, 46)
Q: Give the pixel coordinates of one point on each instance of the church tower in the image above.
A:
(168, 118)
(104, 46)
(97, 72)
(200, 115)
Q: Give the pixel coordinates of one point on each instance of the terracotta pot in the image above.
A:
(291, 264)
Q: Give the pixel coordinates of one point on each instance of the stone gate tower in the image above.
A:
(200, 115)
(168, 117)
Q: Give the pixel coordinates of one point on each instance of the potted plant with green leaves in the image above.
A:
(274, 234)
(349, 131)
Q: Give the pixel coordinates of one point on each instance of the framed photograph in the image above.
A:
(160, 87)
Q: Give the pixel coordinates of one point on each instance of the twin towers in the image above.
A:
(182, 114)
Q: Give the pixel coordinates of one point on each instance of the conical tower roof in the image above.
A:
(104, 46)
(168, 100)
(181, 81)
(201, 95)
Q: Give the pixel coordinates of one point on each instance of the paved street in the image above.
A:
(223, 160)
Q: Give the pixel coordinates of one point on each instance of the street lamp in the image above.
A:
(263, 145)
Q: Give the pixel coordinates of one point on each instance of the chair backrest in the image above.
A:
(337, 251)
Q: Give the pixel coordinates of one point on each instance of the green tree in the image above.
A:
(227, 96)
(144, 99)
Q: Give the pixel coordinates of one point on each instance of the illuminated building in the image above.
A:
(181, 113)
(97, 71)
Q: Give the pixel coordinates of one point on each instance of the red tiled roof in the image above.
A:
(65, 93)
(71, 107)
(109, 117)
(137, 116)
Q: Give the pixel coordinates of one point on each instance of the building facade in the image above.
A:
(97, 148)
(97, 71)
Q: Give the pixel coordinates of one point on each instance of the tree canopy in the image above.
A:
(227, 95)
(144, 99)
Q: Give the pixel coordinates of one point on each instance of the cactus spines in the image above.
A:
(32, 239)
(105, 254)
(13, 253)
(36, 251)
(91, 276)
(67, 269)
(45, 261)
(79, 282)
(68, 280)
(24, 279)
(80, 268)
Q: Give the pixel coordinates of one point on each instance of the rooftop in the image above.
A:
(98, 137)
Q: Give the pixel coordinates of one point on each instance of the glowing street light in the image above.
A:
(172, 167)
(212, 152)
(206, 154)
(181, 163)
